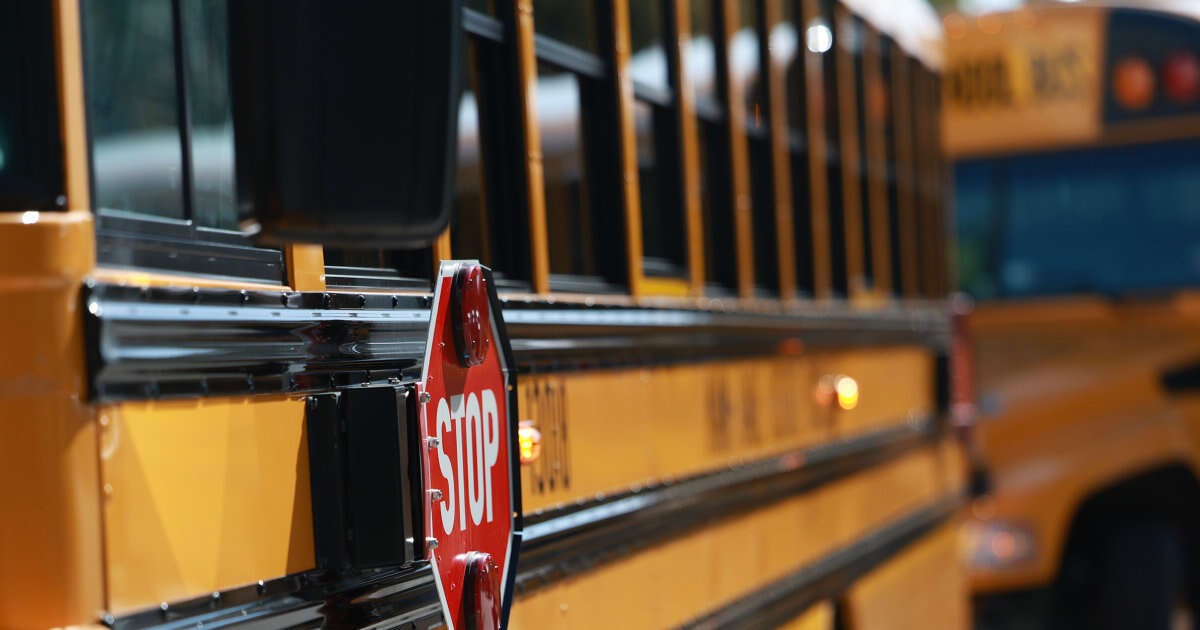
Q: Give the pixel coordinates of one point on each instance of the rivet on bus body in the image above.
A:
(435, 495)
(425, 397)
(432, 443)
(431, 543)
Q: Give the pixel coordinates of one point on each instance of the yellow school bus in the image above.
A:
(702, 243)
(1074, 132)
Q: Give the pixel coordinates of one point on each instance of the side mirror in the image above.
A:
(345, 118)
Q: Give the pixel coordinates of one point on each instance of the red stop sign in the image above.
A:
(467, 410)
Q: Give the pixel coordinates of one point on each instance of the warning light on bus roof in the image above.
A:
(1181, 77)
(529, 442)
(1133, 83)
(847, 392)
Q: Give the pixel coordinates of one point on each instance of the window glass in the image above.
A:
(717, 209)
(663, 239)
(30, 148)
(132, 113)
(701, 62)
(745, 63)
(851, 40)
(206, 39)
(470, 236)
(482, 6)
(568, 213)
(568, 21)
(1108, 221)
(648, 62)
(821, 40)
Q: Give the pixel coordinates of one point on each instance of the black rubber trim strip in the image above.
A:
(405, 597)
(163, 342)
(577, 538)
(558, 543)
(829, 576)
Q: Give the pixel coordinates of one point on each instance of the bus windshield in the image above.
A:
(1109, 221)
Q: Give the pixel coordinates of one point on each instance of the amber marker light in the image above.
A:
(847, 392)
(1133, 83)
(529, 442)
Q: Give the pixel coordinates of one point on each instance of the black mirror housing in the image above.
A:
(345, 118)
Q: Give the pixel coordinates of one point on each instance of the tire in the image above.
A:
(1133, 575)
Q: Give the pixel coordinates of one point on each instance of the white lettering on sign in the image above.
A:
(447, 508)
(491, 442)
(476, 430)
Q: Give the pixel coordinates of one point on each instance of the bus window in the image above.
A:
(469, 233)
(881, 222)
(132, 107)
(659, 178)
(566, 21)
(161, 141)
(571, 225)
(716, 211)
(1113, 221)
(701, 62)
(854, 36)
(206, 45)
(786, 41)
(746, 45)
(480, 6)
(834, 176)
(901, 230)
(31, 176)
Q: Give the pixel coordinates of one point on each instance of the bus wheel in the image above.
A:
(1139, 576)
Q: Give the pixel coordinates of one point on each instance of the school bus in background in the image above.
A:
(1075, 134)
(714, 235)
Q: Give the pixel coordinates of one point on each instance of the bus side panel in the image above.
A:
(670, 583)
(819, 617)
(50, 540)
(203, 495)
(923, 587)
(606, 430)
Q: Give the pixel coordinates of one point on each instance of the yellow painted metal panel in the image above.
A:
(923, 587)
(818, 617)
(605, 431)
(50, 545)
(992, 101)
(201, 496)
(668, 584)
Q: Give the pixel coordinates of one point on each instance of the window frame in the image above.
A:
(130, 239)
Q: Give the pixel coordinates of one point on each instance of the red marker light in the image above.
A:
(482, 595)
(1181, 77)
(1133, 83)
(470, 315)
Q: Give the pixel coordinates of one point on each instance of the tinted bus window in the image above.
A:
(30, 146)
(1110, 221)
(206, 42)
(129, 53)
